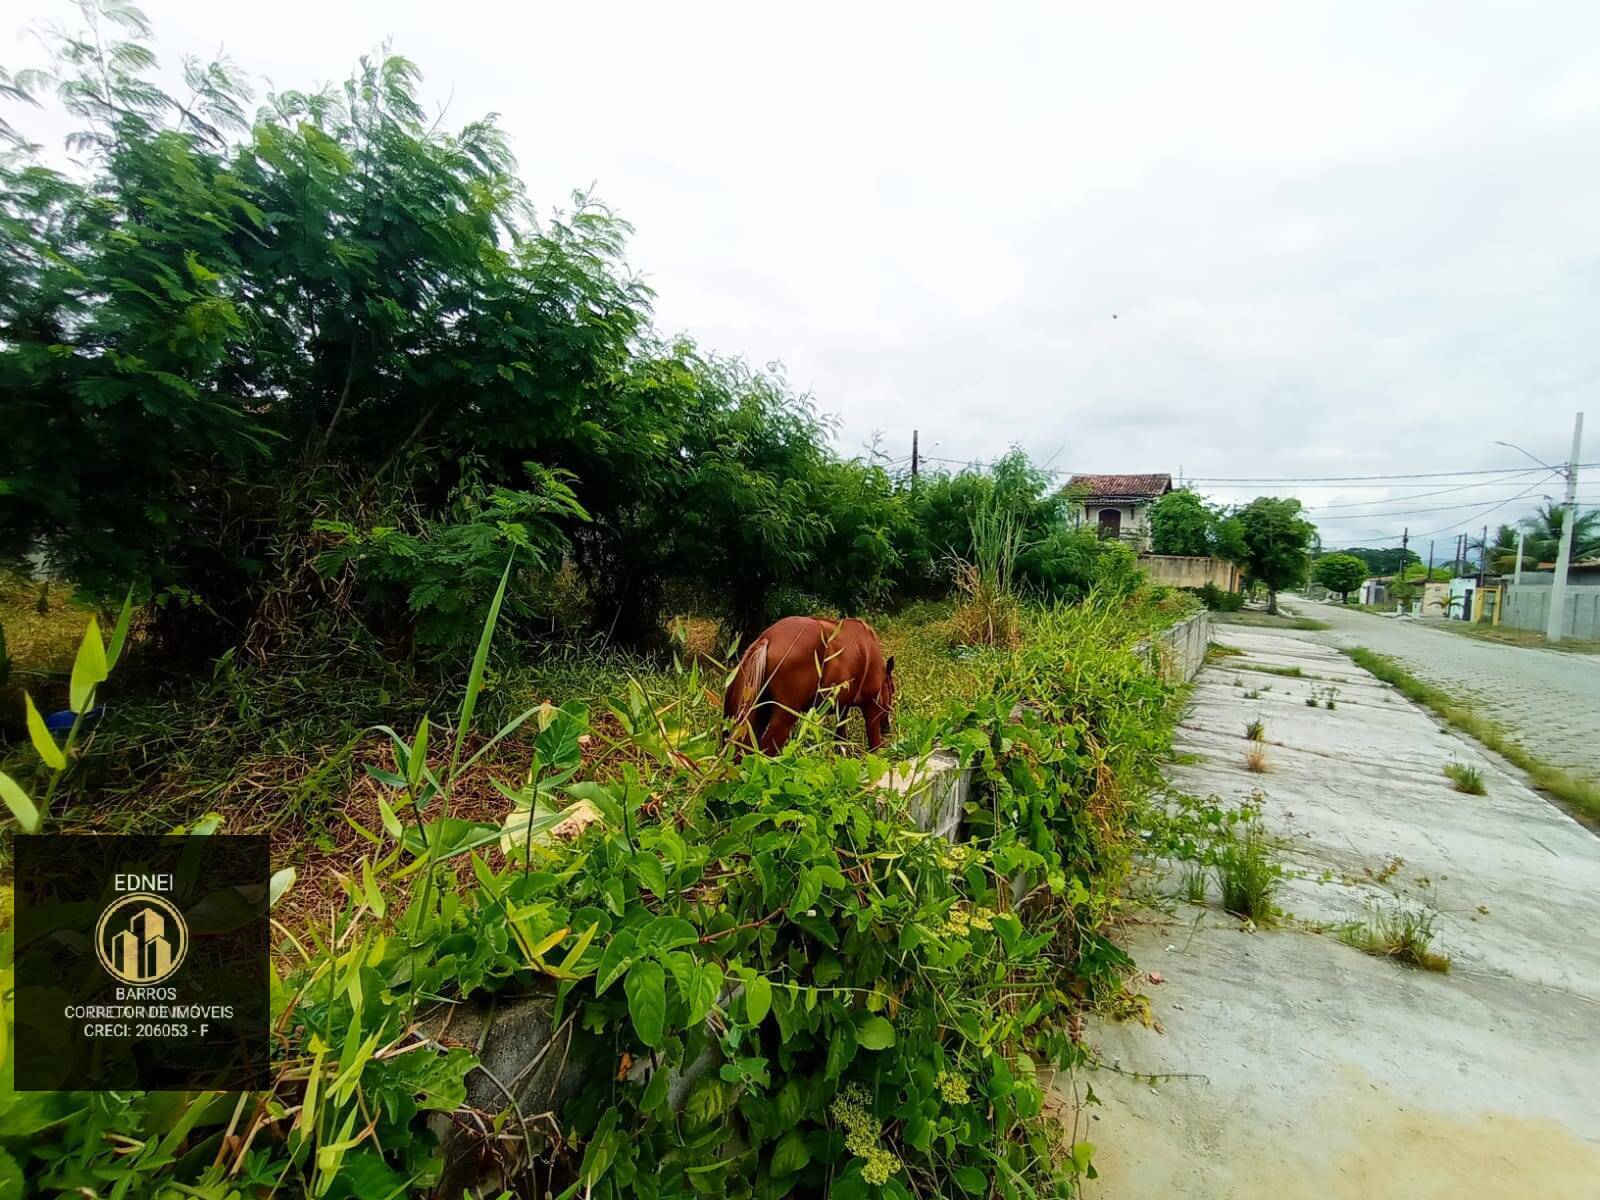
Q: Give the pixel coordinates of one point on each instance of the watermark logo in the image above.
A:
(141, 938)
(141, 963)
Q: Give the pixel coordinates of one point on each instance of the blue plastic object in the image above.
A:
(60, 722)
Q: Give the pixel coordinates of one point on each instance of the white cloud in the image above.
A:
(1337, 238)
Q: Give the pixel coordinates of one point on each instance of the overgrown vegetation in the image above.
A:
(1402, 935)
(852, 976)
(1580, 794)
(322, 365)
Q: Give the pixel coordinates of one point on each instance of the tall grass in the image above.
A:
(990, 612)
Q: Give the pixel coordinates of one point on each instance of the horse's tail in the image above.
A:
(740, 704)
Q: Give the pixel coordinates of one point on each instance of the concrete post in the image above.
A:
(1516, 576)
(1558, 585)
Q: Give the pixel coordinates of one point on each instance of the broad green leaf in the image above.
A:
(17, 801)
(40, 736)
(119, 632)
(807, 893)
(757, 999)
(617, 957)
(667, 933)
(648, 871)
(646, 988)
(282, 881)
(790, 1154)
(704, 989)
(88, 668)
(875, 1033)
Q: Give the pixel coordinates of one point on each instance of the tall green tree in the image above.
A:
(1275, 538)
(1340, 573)
(1182, 523)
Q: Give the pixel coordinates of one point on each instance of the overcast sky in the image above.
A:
(1232, 239)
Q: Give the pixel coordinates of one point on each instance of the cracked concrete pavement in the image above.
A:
(1303, 1068)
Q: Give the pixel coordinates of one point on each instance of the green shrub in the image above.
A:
(1217, 600)
(845, 972)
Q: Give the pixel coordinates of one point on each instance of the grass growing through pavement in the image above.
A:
(1255, 758)
(1248, 877)
(1269, 669)
(1270, 622)
(1467, 778)
(1256, 730)
(1402, 935)
(1580, 794)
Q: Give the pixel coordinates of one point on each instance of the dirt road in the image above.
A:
(1304, 1068)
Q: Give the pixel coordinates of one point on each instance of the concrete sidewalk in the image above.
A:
(1314, 1070)
(1548, 699)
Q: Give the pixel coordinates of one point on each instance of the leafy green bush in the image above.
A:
(1217, 600)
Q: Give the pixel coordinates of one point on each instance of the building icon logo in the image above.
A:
(141, 939)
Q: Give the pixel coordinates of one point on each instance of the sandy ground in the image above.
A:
(1307, 1069)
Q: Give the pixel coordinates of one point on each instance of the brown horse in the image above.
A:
(800, 663)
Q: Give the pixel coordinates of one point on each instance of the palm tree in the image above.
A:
(1501, 552)
(1544, 539)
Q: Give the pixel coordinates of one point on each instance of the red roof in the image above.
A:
(1122, 487)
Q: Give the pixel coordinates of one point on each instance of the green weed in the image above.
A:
(1248, 877)
(1401, 935)
(1256, 730)
(1467, 778)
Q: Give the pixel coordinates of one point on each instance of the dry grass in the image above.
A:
(987, 615)
(1255, 758)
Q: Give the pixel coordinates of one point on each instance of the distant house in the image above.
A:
(1119, 505)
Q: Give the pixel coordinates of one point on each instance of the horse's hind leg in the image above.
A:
(779, 726)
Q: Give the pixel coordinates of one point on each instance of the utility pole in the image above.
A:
(914, 463)
(1522, 528)
(1428, 578)
(1483, 556)
(1405, 541)
(1558, 585)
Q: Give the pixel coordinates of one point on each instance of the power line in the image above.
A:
(1494, 506)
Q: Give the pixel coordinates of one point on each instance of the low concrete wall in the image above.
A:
(1527, 606)
(1185, 571)
(1178, 653)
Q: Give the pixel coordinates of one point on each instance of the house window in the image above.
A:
(1110, 522)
